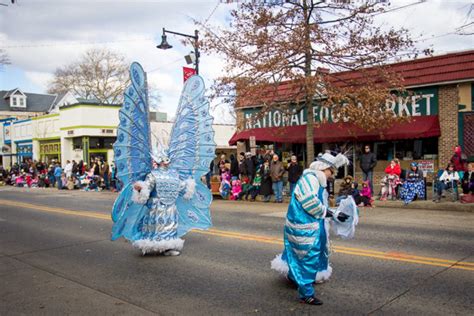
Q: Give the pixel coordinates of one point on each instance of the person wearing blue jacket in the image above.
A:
(305, 259)
(57, 175)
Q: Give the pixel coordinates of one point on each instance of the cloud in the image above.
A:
(42, 35)
(39, 78)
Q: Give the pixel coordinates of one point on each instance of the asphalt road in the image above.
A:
(56, 258)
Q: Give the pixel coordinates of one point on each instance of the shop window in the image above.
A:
(77, 143)
(101, 142)
(109, 142)
(426, 148)
(384, 151)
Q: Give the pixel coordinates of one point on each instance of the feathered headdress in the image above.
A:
(327, 160)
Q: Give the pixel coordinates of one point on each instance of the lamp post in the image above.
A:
(164, 44)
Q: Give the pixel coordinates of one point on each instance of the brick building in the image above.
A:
(441, 110)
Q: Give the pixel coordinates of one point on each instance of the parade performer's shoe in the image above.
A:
(172, 253)
(291, 282)
(312, 301)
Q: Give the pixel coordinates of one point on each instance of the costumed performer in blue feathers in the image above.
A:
(158, 205)
(305, 259)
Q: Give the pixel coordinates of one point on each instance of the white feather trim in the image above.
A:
(324, 275)
(142, 196)
(279, 265)
(190, 188)
(341, 160)
(159, 246)
(322, 179)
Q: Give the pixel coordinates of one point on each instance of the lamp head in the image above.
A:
(164, 43)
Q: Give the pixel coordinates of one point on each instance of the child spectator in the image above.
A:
(225, 187)
(70, 183)
(366, 192)
(346, 189)
(359, 199)
(255, 188)
(236, 189)
(391, 180)
(246, 186)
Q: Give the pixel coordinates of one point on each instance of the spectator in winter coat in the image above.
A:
(255, 188)
(276, 172)
(368, 161)
(222, 163)
(57, 175)
(391, 180)
(250, 166)
(294, 173)
(68, 169)
(80, 167)
(266, 186)
(449, 179)
(236, 189)
(358, 198)
(468, 179)
(414, 185)
(345, 189)
(459, 159)
(225, 187)
(366, 191)
(242, 167)
(234, 167)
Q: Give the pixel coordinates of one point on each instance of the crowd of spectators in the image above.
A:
(248, 176)
(75, 175)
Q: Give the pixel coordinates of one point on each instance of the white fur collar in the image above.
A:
(319, 175)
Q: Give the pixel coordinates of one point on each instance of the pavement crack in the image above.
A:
(59, 275)
(418, 284)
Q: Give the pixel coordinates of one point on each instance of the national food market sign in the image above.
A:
(422, 102)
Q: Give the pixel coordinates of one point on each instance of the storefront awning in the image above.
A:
(417, 127)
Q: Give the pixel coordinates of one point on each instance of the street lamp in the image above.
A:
(164, 44)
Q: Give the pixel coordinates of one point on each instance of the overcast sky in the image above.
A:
(41, 35)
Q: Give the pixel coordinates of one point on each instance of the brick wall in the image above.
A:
(448, 120)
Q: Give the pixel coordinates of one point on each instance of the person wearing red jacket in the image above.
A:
(391, 180)
(459, 159)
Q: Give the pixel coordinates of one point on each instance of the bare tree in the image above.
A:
(4, 60)
(291, 55)
(99, 74)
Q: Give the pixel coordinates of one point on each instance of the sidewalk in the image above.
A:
(444, 205)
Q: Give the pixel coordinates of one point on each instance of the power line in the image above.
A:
(212, 12)
(76, 43)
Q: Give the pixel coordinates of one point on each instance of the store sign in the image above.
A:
(24, 150)
(421, 102)
(427, 166)
(7, 137)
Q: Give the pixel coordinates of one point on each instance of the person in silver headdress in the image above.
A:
(160, 189)
(305, 258)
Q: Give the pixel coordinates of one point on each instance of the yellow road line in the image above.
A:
(394, 256)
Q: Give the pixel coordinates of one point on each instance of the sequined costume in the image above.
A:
(157, 206)
(305, 258)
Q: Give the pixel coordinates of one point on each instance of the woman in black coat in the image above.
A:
(266, 187)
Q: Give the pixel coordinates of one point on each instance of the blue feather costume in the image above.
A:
(305, 258)
(171, 199)
(306, 242)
